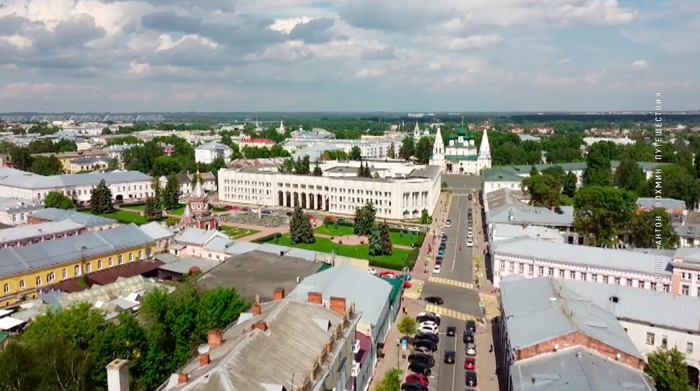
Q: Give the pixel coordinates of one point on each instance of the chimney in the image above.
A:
(338, 305)
(182, 378)
(118, 375)
(203, 351)
(314, 298)
(214, 339)
(278, 294)
(256, 309)
(553, 209)
(260, 325)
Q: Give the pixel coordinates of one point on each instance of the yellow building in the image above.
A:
(26, 271)
(86, 164)
(66, 157)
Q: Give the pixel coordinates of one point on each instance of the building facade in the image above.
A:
(15, 211)
(207, 153)
(402, 190)
(461, 156)
(377, 147)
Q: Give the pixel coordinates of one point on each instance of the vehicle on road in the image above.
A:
(448, 223)
(468, 336)
(428, 323)
(428, 329)
(451, 331)
(372, 271)
(419, 379)
(437, 269)
(435, 300)
(413, 387)
(387, 274)
(423, 350)
(420, 369)
(471, 326)
(414, 229)
(450, 357)
(421, 358)
(470, 363)
(427, 336)
(443, 235)
(469, 196)
(470, 234)
(400, 227)
(426, 344)
(470, 243)
(433, 314)
(471, 349)
(470, 379)
(406, 285)
(438, 261)
(428, 318)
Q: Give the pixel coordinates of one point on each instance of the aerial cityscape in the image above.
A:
(349, 195)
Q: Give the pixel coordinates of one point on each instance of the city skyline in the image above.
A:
(347, 56)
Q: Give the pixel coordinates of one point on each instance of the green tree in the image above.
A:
(157, 192)
(385, 240)
(217, 164)
(533, 171)
(669, 370)
(598, 170)
(407, 326)
(630, 176)
(364, 220)
(170, 199)
(375, 242)
(425, 217)
(113, 164)
(391, 153)
(57, 200)
(674, 182)
(152, 210)
(603, 213)
(391, 381)
(653, 229)
(101, 200)
(165, 165)
(317, 170)
(46, 165)
(408, 148)
(21, 158)
(300, 229)
(570, 184)
(355, 153)
(544, 190)
(424, 150)
(106, 131)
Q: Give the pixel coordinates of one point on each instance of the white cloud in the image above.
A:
(15, 91)
(564, 61)
(471, 42)
(641, 65)
(286, 25)
(367, 73)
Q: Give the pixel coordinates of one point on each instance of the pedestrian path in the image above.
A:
(492, 307)
(413, 292)
(449, 313)
(447, 281)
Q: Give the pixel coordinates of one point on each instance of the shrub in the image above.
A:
(328, 219)
(268, 238)
(412, 258)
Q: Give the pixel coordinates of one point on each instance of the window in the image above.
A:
(140, 254)
(77, 270)
(666, 288)
(628, 281)
(510, 266)
(521, 267)
(119, 260)
(50, 277)
(594, 277)
(21, 284)
(650, 339)
(617, 280)
(38, 281)
(664, 341)
(688, 348)
(685, 289)
(530, 269)
(64, 274)
(605, 280)
(88, 267)
(6, 288)
(99, 265)
(131, 257)
(561, 273)
(110, 263)
(540, 270)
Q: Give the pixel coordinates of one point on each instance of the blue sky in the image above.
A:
(348, 55)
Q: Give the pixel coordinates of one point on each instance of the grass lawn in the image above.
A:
(126, 217)
(399, 239)
(237, 233)
(177, 211)
(327, 246)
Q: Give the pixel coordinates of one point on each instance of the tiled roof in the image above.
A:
(108, 276)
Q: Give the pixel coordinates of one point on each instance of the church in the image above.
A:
(198, 212)
(460, 156)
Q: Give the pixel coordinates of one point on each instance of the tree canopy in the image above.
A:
(669, 370)
(55, 199)
(603, 213)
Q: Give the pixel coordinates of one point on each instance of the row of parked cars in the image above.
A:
(440, 253)
(421, 360)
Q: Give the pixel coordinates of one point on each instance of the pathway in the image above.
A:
(264, 231)
(420, 270)
(354, 240)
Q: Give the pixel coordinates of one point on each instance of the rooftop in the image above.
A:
(183, 265)
(108, 276)
(33, 181)
(37, 230)
(257, 271)
(16, 204)
(520, 172)
(530, 215)
(85, 219)
(502, 197)
(506, 231)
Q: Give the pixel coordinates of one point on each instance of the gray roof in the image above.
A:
(33, 181)
(662, 309)
(57, 252)
(218, 243)
(90, 160)
(213, 145)
(576, 369)
(183, 265)
(86, 219)
(197, 236)
(530, 231)
(37, 230)
(17, 204)
(253, 360)
(540, 309)
(519, 172)
(666, 203)
(239, 248)
(502, 197)
(584, 256)
(368, 292)
(530, 215)
(157, 231)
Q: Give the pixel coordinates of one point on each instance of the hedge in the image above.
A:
(386, 265)
(412, 258)
(268, 238)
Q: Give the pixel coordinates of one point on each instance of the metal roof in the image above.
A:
(57, 252)
(666, 203)
(197, 236)
(523, 214)
(33, 181)
(183, 265)
(86, 219)
(507, 231)
(37, 230)
(539, 310)
(576, 369)
(585, 256)
(157, 231)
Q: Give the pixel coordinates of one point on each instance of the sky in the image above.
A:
(348, 55)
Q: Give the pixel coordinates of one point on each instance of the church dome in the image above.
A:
(462, 131)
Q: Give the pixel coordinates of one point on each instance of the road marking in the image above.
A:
(449, 313)
(492, 308)
(459, 222)
(447, 281)
(454, 367)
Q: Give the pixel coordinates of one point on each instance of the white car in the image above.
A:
(372, 271)
(448, 224)
(471, 349)
(436, 269)
(414, 229)
(429, 314)
(428, 323)
(470, 234)
(470, 243)
(401, 227)
(427, 329)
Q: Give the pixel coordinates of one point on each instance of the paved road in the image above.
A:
(462, 184)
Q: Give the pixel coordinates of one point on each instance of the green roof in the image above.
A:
(512, 173)
(457, 158)
(452, 137)
(396, 287)
(461, 131)
(501, 174)
(324, 267)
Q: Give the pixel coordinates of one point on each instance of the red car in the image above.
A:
(406, 284)
(470, 363)
(416, 378)
(387, 274)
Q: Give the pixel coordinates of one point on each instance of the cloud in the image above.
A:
(640, 65)
(370, 72)
(22, 91)
(313, 31)
(471, 42)
(384, 54)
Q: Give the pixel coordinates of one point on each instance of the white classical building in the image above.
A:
(461, 155)
(207, 153)
(125, 185)
(372, 147)
(401, 190)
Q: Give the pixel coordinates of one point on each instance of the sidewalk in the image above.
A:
(264, 231)
(420, 270)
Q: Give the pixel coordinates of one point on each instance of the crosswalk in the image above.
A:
(492, 308)
(413, 292)
(447, 281)
(449, 313)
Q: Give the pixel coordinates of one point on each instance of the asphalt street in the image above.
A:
(462, 184)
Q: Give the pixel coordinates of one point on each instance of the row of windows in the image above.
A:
(651, 340)
(689, 276)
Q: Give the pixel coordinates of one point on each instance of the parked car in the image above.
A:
(425, 343)
(428, 313)
(428, 328)
(450, 357)
(400, 227)
(372, 271)
(448, 223)
(428, 318)
(435, 300)
(422, 358)
(471, 326)
(451, 331)
(470, 378)
(468, 337)
(470, 363)
(406, 285)
(470, 234)
(471, 349)
(437, 269)
(420, 369)
(387, 274)
(413, 387)
(422, 349)
(427, 323)
(414, 229)
(470, 243)
(469, 196)
(419, 379)
(427, 336)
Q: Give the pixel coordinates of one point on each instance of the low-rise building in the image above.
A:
(35, 233)
(26, 270)
(207, 153)
(161, 236)
(116, 151)
(507, 231)
(15, 211)
(89, 221)
(256, 143)
(673, 207)
(67, 157)
(372, 148)
(87, 164)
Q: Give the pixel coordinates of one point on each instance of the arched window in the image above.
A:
(88, 268)
(119, 260)
(77, 270)
(6, 288)
(38, 281)
(99, 265)
(64, 274)
(110, 262)
(21, 284)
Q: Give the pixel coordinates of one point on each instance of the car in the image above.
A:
(387, 274)
(414, 229)
(436, 269)
(435, 300)
(470, 363)
(422, 349)
(420, 369)
(470, 234)
(372, 271)
(428, 329)
(470, 243)
(469, 196)
(427, 336)
(470, 378)
(425, 343)
(468, 337)
(451, 331)
(400, 227)
(438, 261)
(443, 235)
(471, 326)
(406, 285)
(428, 313)
(418, 379)
(427, 318)
(406, 277)
(254, 210)
(471, 349)
(441, 250)
(426, 359)
(428, 323)
(448, 223)
(450, 357)
(413, 387)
